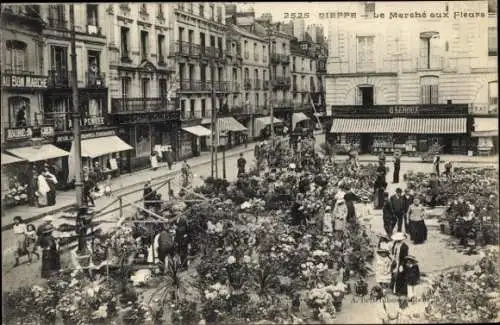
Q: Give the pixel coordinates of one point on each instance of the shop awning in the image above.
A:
(431, 126)
(362, 126)
(198, 130)
(262, 122)
(43, 152)
(401, 125)
(485, 127)
(229, 124)
(298, 117)
(8, 159)
(97, 147)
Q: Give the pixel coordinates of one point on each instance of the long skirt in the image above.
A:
(418, 231)
(42, 198)
(50, 263)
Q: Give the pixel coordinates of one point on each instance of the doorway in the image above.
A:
(365, 143)
(365, 96)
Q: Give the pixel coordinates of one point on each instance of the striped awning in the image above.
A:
(262, 122)
(98, 147)
(485, 127)
(401, 125)
(225, 124)
(8, 159)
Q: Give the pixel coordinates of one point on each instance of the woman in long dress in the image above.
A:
(416, 224)
(154, 161)
(340, 215)
(43, 190)
(51, 263)
(383, 262)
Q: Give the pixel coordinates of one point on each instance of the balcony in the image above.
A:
(434, 62)
(63, 122)
(187, 49)
(57, 23)
(321, 66)
(256, 84)
(280, 58)
(95, 80)
(140, 105)
(221, 86)
(228, 52)
(247, 84)
(483, 109)
(235, 87)
(195, 85)
(211, 52)
(282, 83)
(191, 115)
(58, 79)
(94, 30)
(29, 15)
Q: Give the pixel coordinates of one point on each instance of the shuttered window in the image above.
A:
(365, 53)
(429, 90)
(16, 58)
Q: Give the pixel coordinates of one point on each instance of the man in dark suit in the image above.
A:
(397, 167)
(400, 251)
(397, 204)
(407, 201)
(350, 198)
(388, 215)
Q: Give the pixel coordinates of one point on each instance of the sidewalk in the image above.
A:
(66, 199)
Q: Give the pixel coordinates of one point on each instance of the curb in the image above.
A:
(69, 206)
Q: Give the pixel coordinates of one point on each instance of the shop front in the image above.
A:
(192, 138)
(410, 129)
(146, 132)
(485, 135)
(236, 132)
(262, 127)
(300, 120)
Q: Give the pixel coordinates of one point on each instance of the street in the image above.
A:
(29, 274)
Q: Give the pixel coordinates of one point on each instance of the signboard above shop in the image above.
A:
(401, 110)
(24, 133)
(86, 135)
(24, 81)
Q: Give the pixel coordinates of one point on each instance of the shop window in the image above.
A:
(16, 58)
(19, 111)
(365, 95)
(143, 141)
(365, 53)
(429, 90)
(493, 96)
(492, 42)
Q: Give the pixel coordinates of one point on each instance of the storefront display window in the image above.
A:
(19, 111)
(143, 140)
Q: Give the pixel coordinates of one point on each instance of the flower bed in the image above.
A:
(466, 295)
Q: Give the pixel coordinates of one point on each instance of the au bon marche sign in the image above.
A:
(24, 81)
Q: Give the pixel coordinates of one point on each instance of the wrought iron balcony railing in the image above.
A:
(57, 23)
(282, 82)
(191, 115)
(58, 79)
(235, 87)
(187, 49)
(136, 105)
(95, 80)
(222, 86)
(195, 85)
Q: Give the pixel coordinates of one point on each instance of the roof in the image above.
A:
(246, 33)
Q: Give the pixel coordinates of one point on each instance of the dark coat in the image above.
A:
(397, 205)
(388, 212)
(400, 278)
(148, 192)
(407, 201)
(241, 163)
(397, 163)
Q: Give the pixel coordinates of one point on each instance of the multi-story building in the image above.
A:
(142, 84)
(250, 103)
(408, 83)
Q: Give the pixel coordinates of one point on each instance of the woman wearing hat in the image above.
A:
(416, 224)
(50, 251)
(400, 249)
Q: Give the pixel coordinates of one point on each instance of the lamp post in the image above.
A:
(270, 86)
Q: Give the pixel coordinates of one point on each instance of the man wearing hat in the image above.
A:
(397, 167)
(400, 250)
(398, 208)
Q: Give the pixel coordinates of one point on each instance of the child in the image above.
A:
(412, 275)
(31, 239)
(107, 186)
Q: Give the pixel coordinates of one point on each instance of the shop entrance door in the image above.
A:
(365, 143)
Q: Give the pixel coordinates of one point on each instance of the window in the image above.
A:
(124, 33)
(429, 89)
(254, 48)
(144, 44)
(219, 14)
(365, 53)
(192, 104)
(92, 15)
(493, 96)
(57, 16)
(161, 42)
(203, 107)
(264, 77)
(294, 59)
(364, 95)
(16, 58)
(212, 12)
(126, 87)
(428, 59)
(163, 88)
(492, 6)
(59, 66)
(181, 34)
(203, 72)
(284, 48)
(310, 65)
(19, 111)
(256, 99)
(369, 9)
(265, 98)
(145, 87)
(160, 11)
(202, 11)
(492, 41)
